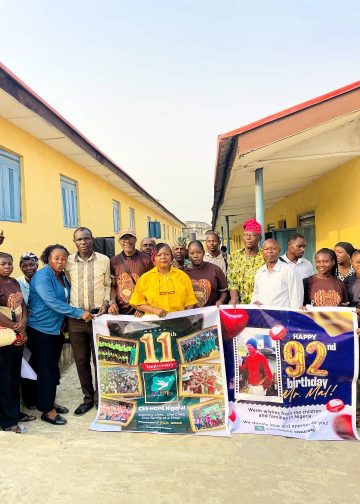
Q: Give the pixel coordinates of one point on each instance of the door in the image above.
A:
(308, 232)
(105, 245)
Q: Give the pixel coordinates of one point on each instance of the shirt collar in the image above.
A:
(259, 252)
(53, 272)
(277, 267)
(207, 253)
(77, 258)
(285, 257)
(137, 253)
(172, 270)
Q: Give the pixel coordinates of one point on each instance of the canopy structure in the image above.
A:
(261, 163)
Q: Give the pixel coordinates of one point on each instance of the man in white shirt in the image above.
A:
(276, 283)
(294, 257)
(213, 254)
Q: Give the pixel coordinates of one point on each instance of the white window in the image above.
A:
(116, 216)
(132, 218)
(10, 188)
(69, 202)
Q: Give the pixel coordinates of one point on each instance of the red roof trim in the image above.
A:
(291, 110)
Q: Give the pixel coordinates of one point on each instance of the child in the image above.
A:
(324, 288)
(12, 316)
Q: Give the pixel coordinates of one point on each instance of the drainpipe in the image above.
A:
(259, 199)
(227, 234)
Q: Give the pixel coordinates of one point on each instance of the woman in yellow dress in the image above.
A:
(163, 289)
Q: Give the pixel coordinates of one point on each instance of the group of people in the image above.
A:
(71, 289)
(119, 382)
(260, 275)
(201, 381)
(117, 353)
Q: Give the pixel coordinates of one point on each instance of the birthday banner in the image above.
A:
(291, 373)
(161, 375)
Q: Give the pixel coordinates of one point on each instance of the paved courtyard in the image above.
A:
(71, 464)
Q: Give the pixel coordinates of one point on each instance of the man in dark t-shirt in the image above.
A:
(125, 269)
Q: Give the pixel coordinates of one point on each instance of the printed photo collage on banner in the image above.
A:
(288, 372)
(291, 372)
(161, 375)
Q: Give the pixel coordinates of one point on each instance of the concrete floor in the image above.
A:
(71, 464)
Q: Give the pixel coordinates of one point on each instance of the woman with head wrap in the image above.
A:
(179, 252)
(28, 264)
(344, 251)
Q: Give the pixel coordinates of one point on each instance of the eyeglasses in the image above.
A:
(170, 288)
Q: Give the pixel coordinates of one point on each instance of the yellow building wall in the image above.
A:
(334, 199)
(42, 218)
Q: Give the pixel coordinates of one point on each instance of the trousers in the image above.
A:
(46, 352)
(82, 343)
(10, 371)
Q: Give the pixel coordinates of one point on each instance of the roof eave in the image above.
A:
(16, 88)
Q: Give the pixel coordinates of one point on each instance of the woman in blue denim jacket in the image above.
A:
(48, 306)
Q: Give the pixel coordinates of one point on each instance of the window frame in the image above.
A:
(116, 206)
(10, 175)
(132, 219)
(69, 201)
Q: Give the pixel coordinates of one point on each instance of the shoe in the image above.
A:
(61, 409)
(58, 420)
(15, 428)
(83, 408)
(24, 417)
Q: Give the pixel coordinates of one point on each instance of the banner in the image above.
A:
(291, 373)
(161, 375)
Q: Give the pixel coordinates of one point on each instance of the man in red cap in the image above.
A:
(257, 368)
(244, 263)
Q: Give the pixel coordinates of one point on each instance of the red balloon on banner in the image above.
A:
(233, 322)
(335, 405)
(343, 426)
(277, 332)
(233, 416)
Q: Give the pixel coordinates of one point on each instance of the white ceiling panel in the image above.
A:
(10, 108)
(36, 127)
(63, 145)
(288, 166)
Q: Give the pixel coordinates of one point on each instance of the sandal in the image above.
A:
(24, 417)
(14, 428)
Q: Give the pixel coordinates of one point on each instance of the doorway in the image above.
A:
(308, 232)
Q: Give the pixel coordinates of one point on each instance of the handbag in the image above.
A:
(7, 336)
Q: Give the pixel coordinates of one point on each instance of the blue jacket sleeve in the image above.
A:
(45, 289)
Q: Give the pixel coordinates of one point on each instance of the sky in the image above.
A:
(153, 83)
